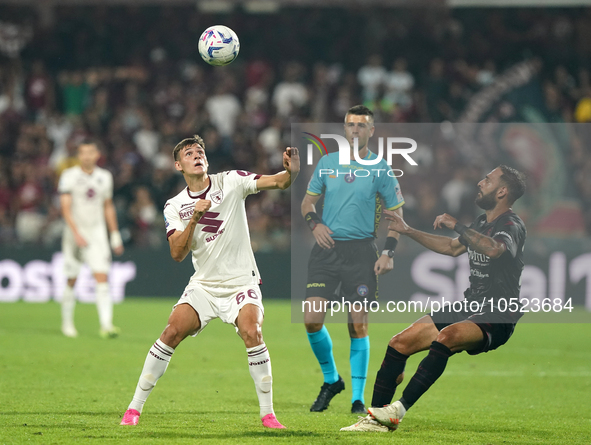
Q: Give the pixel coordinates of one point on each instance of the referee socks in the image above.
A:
(359, 360)
(321, 344)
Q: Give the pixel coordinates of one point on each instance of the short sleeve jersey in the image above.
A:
(350, 195)
(221, 250)
(89, 193)
(499, 277)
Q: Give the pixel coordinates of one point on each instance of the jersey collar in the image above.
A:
(200, 196)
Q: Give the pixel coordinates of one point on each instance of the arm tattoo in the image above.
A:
(482, 243)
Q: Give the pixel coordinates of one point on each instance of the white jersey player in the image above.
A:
(86, 193)
(208, 218)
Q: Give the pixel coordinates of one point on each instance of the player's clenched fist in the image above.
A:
(201, 206)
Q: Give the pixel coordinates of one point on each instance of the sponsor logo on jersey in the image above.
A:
(212, 225)
(362, 290)
(349, 178)
(90, 193)
(478, 258)
(186, 214)
(211, 238)
(315, 285)
(217, 196)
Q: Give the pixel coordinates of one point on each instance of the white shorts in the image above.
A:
(97, 254)
(220, 302)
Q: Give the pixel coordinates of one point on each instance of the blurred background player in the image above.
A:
(86, 193)
(345, 255)
(208, 218)
(494, 242)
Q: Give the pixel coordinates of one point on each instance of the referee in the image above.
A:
(345, 255)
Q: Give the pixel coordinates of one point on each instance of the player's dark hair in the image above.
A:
(360, 110)
(89, 141)
(196, 139)
(515, 182)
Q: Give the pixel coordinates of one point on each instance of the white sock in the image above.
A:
(104, 305)
(68, 305)
(154, 367)
(259, 365)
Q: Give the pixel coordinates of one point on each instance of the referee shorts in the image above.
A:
(349, 264)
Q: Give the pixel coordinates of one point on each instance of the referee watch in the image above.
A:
(390, 253)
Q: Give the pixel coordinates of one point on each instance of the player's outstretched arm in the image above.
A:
(440, 244)
(282, 180)
(477, 241)
(180, 242)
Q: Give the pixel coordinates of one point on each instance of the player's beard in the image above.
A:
(486, 202)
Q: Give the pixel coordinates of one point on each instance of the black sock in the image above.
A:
(428, 372)
(385, 385)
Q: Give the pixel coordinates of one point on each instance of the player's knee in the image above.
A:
(449, 337)
(252, 335)
(172, 336)
(402, 344)
(313, 327)
(357, 330)
(400, 378)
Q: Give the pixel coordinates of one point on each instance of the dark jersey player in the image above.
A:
(494, 242)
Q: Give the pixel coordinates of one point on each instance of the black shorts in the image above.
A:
(348, 263)
(497, 327)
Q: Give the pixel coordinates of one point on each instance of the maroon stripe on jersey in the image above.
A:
(170, 232)
(254, 354)
(167, 204)
(260, 281)
(162, 350)
(202, 195)
(257, 177)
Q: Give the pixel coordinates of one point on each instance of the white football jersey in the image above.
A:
(89, 193)
(221, 242)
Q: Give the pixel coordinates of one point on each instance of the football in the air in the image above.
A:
(219, 45)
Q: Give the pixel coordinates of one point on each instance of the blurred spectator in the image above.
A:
(38, 91)
(147, 230)
(399, 84)
(371, 77)
(290, 94)
(141, 96)
(75, 93)
(223, 108)
(29, 204)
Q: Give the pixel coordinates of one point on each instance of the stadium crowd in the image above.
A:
(132, 78)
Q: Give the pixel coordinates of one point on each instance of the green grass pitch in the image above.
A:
(56, 390)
